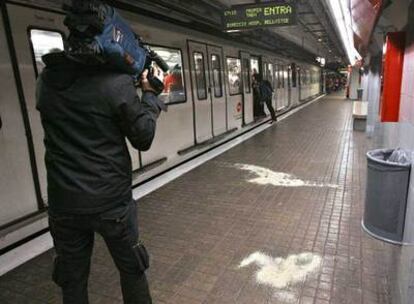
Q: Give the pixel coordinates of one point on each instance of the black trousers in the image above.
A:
(258, 107)
(270, 108)
(73, 237)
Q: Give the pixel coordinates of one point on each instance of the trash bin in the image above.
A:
(360, 92)
(386, 194)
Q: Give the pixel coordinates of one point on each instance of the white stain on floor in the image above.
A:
(268, 177)
(283, 273)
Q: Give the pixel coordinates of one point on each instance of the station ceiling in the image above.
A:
(313, 36)
(314, 31)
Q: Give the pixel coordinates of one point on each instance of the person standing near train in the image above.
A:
(87, 111)
(258, 107)
(263, 93)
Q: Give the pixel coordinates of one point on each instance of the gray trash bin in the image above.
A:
(386, 195)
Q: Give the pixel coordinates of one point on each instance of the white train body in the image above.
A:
(213, 102)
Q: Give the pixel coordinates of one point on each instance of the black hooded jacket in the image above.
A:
(86, 114)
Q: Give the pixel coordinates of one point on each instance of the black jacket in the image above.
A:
(86, 114)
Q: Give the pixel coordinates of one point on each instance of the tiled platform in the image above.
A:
(200, 227)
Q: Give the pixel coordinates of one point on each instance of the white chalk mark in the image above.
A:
(281, 273)
(269, 177)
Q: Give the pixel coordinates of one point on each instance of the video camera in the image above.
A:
(99, 35)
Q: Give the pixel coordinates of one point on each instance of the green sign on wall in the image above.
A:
(250, 16)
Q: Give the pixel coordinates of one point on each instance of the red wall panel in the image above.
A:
(393, 62)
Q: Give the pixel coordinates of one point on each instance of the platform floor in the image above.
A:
(216, 233)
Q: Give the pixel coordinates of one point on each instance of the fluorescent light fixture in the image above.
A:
(342, 17)
(321, 60)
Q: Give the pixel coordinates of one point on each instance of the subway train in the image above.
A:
(208, 92)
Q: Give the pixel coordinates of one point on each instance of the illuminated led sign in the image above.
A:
(250, 16)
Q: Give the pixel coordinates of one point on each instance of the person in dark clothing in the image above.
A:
(263, 92)
(86, 113)
(258, 106)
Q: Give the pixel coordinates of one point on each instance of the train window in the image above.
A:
(279, 77)
(200, 75)
(275, 78)
(246, 75)
(264, 70)
(174, 88)
(289, 76)
(216, 70)
(234, 71)
(286, 71)
(44, 42)
(270, 74)
(254, 65)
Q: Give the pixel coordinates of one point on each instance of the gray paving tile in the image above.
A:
(199, 227)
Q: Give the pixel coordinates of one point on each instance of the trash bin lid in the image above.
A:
(381, 156)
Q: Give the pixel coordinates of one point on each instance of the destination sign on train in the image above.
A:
(250, 16)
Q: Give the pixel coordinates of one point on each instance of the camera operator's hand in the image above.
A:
(145, 84)
(147, 87)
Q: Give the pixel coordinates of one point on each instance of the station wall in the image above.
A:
(401, 134)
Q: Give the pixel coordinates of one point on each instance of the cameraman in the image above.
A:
(87, 111)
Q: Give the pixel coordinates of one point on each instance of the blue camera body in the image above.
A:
(98, 34)
(119, 45)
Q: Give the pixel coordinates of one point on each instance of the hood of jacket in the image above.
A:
(61, 71)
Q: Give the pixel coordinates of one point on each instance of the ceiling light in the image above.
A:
(342, 16)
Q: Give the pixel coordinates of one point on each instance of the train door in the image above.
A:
(274, 85)
(216, 89)
(35, 33)
(322, 83)
(285, 98)
(289, 85)
(279, 88)
(234, 89)
(248, 115)
(271, 79)
(267, 69)
(295, 84)
(299, 73)
(203, 110)
(255, 69)
(18, 195)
